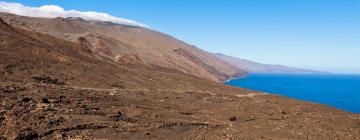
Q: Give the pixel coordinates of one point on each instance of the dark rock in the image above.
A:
(9, 90)
(90, 112)
(56, 122)
(48, 80)
(186, 113)
(85, 107)
(12, 89)
(9, 69)
(121, 117)
(233, 119)
(2, 118)
(2, 137)
(118, 117)
(27, 134)
(45, 100)
(26, 99)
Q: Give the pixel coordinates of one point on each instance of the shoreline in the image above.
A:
(330, 90)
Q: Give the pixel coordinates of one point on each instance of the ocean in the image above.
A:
(340, 91)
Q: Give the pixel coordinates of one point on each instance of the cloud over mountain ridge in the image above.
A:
(52, 11)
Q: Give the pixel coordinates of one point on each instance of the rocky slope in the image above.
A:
(254, 67)
(55, 89)
(120, 43)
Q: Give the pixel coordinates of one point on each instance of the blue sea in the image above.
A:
(340, 91)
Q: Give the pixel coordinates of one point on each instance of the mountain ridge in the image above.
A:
(116, 42)
(260, 68)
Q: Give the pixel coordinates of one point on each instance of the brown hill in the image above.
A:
(130, 44)
(34, 57)
(54, 89)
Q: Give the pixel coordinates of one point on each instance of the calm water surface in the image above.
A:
(340, 91)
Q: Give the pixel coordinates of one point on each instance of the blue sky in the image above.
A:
(314, 34)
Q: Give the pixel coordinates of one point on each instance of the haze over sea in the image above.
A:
(340, 91)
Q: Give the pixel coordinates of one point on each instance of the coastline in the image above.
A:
(332, 90)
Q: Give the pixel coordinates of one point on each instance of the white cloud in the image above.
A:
(52, 11)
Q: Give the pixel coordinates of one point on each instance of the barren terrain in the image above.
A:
(54, 89)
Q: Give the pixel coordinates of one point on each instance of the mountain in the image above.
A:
(33, 57)
(38, 70)
(254, 67)
(51, 88)
(131, 44)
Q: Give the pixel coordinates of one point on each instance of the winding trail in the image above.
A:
(112, 90)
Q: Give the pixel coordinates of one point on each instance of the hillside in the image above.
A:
(130, 44)
(254, 67)
(54, 89)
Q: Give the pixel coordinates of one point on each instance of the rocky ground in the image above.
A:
(53, 89)
(42, 111)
